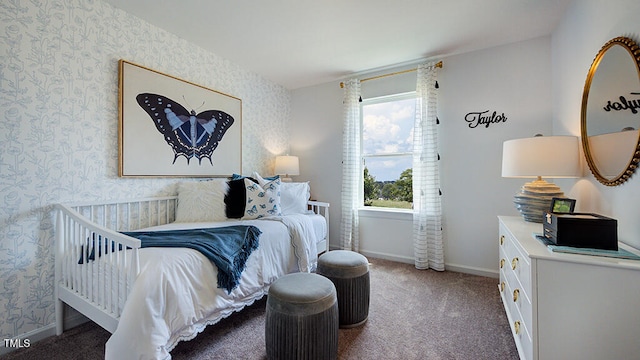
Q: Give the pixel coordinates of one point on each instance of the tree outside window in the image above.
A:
(387, 145)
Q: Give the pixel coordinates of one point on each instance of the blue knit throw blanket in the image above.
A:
(227, 247)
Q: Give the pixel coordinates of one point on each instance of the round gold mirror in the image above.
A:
(610, 116)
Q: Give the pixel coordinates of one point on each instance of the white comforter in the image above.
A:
(176, 295)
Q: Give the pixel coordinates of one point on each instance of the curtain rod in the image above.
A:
(438, 65)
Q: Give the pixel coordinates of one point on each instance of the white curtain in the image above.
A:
(349, 233)
(427, 208)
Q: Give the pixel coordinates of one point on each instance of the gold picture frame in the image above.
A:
(169, 127)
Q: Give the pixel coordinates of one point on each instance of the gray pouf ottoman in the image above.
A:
(349, 272)
(302, 318)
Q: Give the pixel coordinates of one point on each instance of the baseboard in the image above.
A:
(472, 270)
(449, 267)
(384, 256)
(44, 332)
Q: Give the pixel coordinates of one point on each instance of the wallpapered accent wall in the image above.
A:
(59, 128)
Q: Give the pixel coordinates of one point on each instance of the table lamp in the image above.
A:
(287, 165)
(538, 157)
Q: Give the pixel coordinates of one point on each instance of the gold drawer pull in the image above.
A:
(516, 292)
(502, 286)
(501, 239)
(501, 263)
(516, 326)
(514, 263)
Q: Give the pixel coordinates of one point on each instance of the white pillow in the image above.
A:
(201, 201)
(293, 195)
(261, 200)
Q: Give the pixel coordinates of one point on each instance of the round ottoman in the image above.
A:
(302, 318)
(349, 272)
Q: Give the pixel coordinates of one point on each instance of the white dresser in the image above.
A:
(566, 306)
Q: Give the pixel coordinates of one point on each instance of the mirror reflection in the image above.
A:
(611, 112)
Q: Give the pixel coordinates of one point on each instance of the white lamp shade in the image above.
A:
(544, 156)
(287, 165)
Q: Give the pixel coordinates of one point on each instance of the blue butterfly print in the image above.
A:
(252, 211)
(273, 211)
(253, 187)
(189, 134)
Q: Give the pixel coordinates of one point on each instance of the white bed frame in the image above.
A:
(97, 289)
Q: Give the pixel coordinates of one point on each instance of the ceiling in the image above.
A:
(299, 43)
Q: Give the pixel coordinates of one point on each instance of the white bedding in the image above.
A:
(176, 295)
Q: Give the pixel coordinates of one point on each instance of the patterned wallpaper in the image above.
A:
(58, 128)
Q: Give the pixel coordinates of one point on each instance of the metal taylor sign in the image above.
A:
(484, 118)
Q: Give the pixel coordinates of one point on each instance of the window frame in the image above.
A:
(372, 101)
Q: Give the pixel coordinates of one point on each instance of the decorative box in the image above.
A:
(582, 230)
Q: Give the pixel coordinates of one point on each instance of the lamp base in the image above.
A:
(534, 199)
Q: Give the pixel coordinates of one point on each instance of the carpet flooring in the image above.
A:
(413, 314)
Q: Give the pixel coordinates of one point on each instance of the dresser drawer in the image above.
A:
(515, 282)
(524, 336)
(520, 326)
(520, 299)
(521, 266)
(516, 260)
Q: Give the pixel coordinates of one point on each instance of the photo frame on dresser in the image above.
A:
(169, 127)
(562, 205)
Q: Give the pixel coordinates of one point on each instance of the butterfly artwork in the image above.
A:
(189, 134)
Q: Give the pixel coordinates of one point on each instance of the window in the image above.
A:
(387, 145)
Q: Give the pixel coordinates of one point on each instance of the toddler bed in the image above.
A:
(150, 298)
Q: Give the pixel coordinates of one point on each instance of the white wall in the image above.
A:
(587, 25)
(514, 79)
(59, 129)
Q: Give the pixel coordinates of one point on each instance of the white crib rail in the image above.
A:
(99, 287)
(321, 208)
